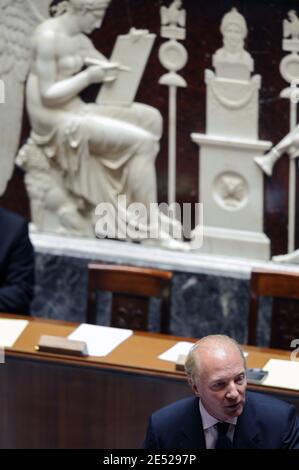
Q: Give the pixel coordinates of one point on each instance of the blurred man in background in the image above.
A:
(16, 264)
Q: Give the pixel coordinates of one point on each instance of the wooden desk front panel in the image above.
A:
(44, 405)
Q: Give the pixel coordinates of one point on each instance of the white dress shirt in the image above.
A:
(209, 427)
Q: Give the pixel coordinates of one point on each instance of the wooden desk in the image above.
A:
(53, 401)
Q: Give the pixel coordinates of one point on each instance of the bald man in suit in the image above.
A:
(222, 415)
(16, 264)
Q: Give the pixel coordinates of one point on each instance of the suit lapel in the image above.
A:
(192, 431)
(246, 434)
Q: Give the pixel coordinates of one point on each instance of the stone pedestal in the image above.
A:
(230, 182)
(231, 189)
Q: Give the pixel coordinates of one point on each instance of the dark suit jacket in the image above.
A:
(16, 264)
(266, 423)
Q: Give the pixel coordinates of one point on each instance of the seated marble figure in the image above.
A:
(81, 154)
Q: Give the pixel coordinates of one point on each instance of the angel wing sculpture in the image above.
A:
(18, 19)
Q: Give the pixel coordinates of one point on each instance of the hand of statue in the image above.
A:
(96, 74)
(104, 71)
(111, 71)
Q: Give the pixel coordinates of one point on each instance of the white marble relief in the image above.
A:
(230, 190)
(291, 25)
(18, 18)
(232, 93)
(173, 56)
(232, 60)
(79, 155)
(173, 21)
(289, 69)
(230, 184)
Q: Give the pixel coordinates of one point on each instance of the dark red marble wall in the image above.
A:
(264, 19)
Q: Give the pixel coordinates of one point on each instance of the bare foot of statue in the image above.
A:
(287, 258)
(168, 243)
(172, 244)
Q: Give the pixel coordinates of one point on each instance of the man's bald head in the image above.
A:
(212, 346)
